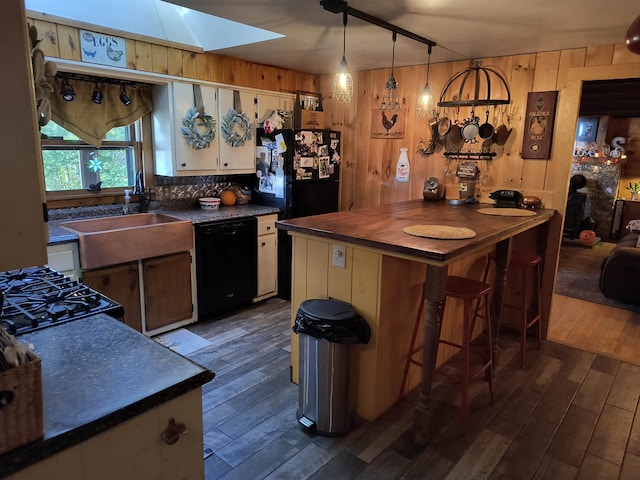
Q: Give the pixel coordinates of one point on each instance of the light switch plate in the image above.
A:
(339, 256)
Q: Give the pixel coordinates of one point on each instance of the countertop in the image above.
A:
(382, 227)
(196, 215)
(97, 373)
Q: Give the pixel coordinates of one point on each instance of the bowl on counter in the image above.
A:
(209, 203)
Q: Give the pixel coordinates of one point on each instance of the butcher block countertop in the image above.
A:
(382, 227)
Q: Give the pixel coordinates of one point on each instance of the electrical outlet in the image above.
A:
(339, 256)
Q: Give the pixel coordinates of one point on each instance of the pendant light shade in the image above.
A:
(391, 95)
(342, 87)
(425, 100)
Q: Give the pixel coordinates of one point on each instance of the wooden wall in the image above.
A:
(60, 39)
(369, 164)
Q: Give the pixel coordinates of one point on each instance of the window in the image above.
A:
(71, 165)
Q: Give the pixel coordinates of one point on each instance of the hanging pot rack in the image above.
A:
(478, 79)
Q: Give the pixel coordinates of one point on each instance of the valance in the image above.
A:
(91, 121)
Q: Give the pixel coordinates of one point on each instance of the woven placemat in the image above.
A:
(440, 231)
(507, 212)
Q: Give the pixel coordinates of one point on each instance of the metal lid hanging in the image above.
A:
(472, 87)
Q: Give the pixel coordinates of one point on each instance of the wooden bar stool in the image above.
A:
(470, 292)
(524, 262)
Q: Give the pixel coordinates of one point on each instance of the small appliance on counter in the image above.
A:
(507, 198)
(40, 297)
(433, 189)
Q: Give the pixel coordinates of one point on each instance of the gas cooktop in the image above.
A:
(40, 297)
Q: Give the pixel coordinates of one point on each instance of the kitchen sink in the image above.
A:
(123, 238)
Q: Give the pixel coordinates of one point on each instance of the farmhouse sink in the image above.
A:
(124, 238)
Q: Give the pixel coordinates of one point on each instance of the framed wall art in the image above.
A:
(587, 129)
(538, 128)
(387, 124)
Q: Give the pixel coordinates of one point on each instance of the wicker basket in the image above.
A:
(21, 405)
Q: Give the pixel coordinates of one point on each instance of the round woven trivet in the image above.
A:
(507, 212)
(440, 231)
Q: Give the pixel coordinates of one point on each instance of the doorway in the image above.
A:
(576, 322)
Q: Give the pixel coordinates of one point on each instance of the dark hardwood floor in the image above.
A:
(569, 414)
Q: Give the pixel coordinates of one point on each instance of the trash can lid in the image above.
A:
(327, 310)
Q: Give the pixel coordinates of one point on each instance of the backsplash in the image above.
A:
(170, 192)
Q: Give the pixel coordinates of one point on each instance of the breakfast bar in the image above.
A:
(385, 271)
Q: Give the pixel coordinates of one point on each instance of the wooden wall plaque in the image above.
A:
(538, 127)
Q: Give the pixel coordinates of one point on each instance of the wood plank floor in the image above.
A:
(570, 414)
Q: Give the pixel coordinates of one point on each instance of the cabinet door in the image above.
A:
(173, 155)
(167, 290)
(268, 102)
(122, 284)
(267, 264)
(238, 158)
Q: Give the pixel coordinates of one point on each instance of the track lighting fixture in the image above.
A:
(425, 100)
(96, 97)
(342, 87)
(67, 91)
(126, 101)
(391, 95)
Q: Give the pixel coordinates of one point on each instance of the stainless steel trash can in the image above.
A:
(326, 329)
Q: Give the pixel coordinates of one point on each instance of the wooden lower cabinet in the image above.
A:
(267, 257)
(167, 290)
(122, 284)
(156, 293)
(134, 449)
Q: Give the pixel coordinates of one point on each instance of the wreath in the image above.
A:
(192, 123)
(236, 129)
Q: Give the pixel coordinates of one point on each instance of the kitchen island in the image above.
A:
(108, 395)
(385, 273)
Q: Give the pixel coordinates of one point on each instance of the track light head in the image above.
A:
(126, 101)
(96, 97)
(67, 91)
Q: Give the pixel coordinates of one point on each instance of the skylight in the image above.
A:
(156, 19)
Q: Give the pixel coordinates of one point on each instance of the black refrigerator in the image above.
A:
(297, 171)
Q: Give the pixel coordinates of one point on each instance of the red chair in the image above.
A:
(475, 295)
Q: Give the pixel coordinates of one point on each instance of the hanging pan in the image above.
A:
(486, 129)
(443, 126)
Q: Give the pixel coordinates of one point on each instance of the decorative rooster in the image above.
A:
(388, 124)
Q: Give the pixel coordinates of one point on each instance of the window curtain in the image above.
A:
(91, 121)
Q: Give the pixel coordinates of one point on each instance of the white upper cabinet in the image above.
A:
(174, 156)
(268, 102)
(237, 132)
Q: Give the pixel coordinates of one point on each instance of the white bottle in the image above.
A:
(403, 167)
(127, 200)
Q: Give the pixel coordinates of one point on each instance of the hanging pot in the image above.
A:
(486, 129)
(455, 142)
(443, 126)
(501, 135)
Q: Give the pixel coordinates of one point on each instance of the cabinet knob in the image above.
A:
(183, 164)
(173, 432)
(225, 164)
(263, 244)
(268, 227)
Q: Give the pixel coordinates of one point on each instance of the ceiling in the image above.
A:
(462, 29)
(313, 37)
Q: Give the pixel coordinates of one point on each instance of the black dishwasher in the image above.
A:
(226, 265)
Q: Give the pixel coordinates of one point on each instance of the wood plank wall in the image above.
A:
(369, 164)
(63, 41)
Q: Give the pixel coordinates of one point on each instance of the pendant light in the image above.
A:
(425, 100)
(342, 87)
(391, 96)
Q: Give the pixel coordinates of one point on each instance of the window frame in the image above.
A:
(86, 197)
